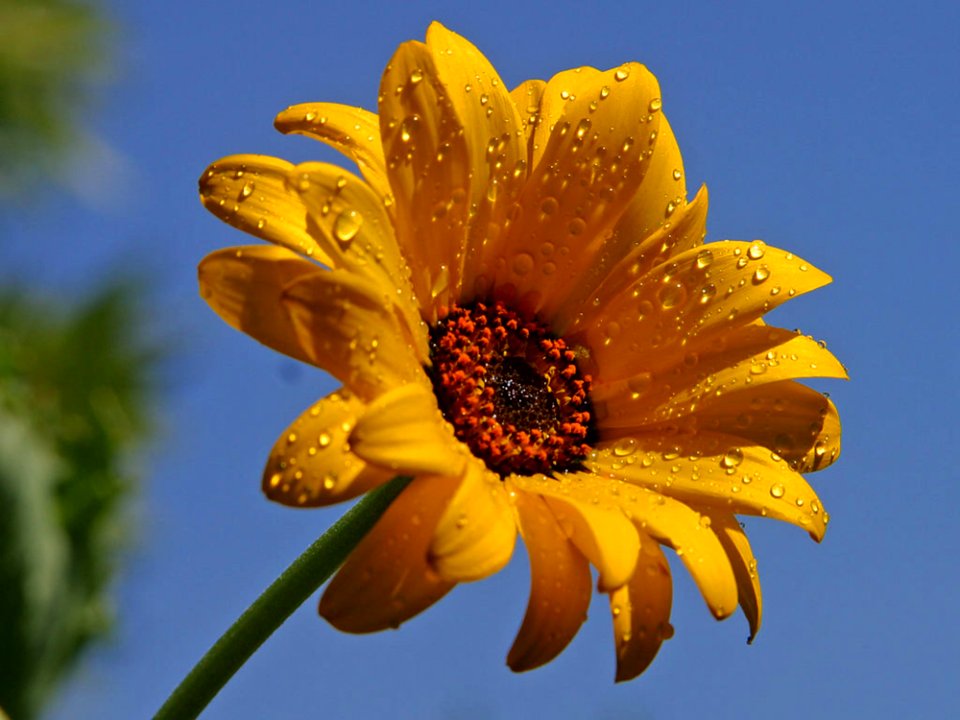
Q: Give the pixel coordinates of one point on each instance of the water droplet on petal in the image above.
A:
(704, 258)
(655, 104)
(756, 251)
(621, 74)
(777, 490)
(347, 225)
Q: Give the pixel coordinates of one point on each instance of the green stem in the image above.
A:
(298, 582)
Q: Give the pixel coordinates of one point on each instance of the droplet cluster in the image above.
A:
(511, 390)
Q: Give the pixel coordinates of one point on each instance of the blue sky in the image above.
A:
(826, 129)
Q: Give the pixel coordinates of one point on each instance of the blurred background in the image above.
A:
(134, 424)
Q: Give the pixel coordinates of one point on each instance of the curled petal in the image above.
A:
(251, 193)
(348, 327)
(353, 131)
(734, 541)
(559, 587)
(244, 286)
(591, 515)
(312, 464)
(718, 471)
(641, 611)
(388, 578)
(404, 432)
(476, 534)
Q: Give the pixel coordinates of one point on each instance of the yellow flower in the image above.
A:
(519, 305)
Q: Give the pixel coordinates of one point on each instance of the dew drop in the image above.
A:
(549, 205)
(704, 259)
(731, 458)
(347, 225)
(707, 293)
(760, 274)
(655, 105)
(756, 251)
(677, 174)
(777, 490)
(522, 263)
(416, 77)
(324, 440)
(625, 447)
(247, 190)
(621, 74)
(672, 294)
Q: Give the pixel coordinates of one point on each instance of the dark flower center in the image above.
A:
(511, 389)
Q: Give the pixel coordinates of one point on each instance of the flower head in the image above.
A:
(518, 301)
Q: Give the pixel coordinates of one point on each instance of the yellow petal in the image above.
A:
(614, 272)
(352, 227)
(656, 207)
(496, 148)
(745, 360)
(590, 514)
(734, 541)
(404, 431)
(349, 328)
(428, 163)
(388, 579)
(682, 305)
(477, 532)
(590, 156)
(353, 131)
(641, 611)
(799, 424)
(244, 286)
(312, 464)
(559, 587)
(716, 471)
(251, 193)
(526, 97)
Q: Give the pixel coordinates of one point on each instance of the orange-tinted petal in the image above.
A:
(559, 587)
(748, 358)
(589, 511)
(476, 534)
(404, 432)
(495, 144)
(428, 163)
(251, 192)
(799, 424)
(526, 97)
(590, 156)
(716, 471)
(353, 131)
(244, 286)
(312, 463)
(388, 578)
(348, 327)
(680, 305)
(641, 611)
(734, 541)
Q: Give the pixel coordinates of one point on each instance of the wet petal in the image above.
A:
(388, 579)
(560, 587)
(428, 163)
(679, 306)
(251, 193)
(590, 154)
(590, 513)
(746, 359)
(655, 221)
(799, 424)
(244, 286)
(350, 330)
(641, 611)
(352, 227)
(404, 432)
(716, 471)
(734, 541)
(615, 272)
(477, 532)
(312, 463)
(353, 131)
(526, 97)
(495, 143)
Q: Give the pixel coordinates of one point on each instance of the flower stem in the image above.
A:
(307, 573)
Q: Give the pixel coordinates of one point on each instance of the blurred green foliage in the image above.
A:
(74, 381)
(51, 55)
(73, 399)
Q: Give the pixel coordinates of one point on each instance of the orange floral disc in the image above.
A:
(511, 390)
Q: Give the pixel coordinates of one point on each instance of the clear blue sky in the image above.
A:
(828, 129)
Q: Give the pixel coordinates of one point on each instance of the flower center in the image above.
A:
(511, 389)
